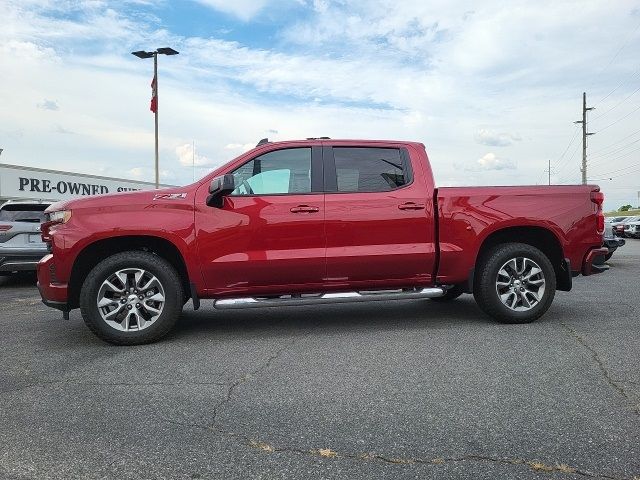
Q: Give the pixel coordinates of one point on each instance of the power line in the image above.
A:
(618, 158)
(617, 141)
(620, 119)
(626, 42)
(616, 150)
(570, 158)
(573, 138)
(617, 104)
(621, 169)
(616, 176)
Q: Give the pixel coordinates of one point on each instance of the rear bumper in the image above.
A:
(54, 294)
(594, 261)
(20, 259)
(612, 242)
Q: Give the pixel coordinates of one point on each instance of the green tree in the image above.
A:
(625, 208)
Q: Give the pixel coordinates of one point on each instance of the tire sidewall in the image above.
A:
(157, 266)
(489, 299)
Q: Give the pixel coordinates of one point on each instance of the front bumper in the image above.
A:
(593, 262)
(54, 293)
(20, 259)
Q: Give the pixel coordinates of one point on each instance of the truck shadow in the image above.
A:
(18, 280)
(394, 315)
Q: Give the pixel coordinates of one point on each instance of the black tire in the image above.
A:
(485, 292)
(451, 294)
(157, 266)
(608, 256)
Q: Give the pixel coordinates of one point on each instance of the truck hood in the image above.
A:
(124, 198)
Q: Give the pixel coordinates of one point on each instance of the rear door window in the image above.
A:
(370, 169)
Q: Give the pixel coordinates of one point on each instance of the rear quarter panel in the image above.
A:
(468, 215)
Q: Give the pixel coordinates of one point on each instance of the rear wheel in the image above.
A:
(515, 283)
(131, 298)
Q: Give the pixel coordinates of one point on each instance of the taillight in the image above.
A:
(597, 197)
(5, 228)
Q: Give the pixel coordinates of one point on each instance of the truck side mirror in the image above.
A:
(220, 186)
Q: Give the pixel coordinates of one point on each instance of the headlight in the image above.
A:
(53, 219)
(61, 216)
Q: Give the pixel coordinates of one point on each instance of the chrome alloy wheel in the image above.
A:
(520, 284)
(130, 299)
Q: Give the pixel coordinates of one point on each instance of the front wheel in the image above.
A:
(131, 298)
(515, 283)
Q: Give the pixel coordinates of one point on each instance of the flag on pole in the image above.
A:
(154, 96)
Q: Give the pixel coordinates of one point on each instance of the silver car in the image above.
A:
(632, 229)
(21, 246)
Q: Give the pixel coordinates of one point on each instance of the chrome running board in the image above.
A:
(335, 297)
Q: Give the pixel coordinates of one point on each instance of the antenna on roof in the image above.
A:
(262, 142)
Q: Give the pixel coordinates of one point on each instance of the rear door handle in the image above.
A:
(412, 206)
(305, 209)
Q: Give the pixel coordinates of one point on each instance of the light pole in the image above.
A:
(154, 86)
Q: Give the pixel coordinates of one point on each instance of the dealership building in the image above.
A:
(29, 183)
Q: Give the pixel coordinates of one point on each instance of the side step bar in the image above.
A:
(336, 297)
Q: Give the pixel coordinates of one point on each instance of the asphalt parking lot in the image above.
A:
(409, 389)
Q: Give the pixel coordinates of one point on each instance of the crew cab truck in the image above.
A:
(316, 221)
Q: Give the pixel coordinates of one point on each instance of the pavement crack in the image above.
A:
(534, 465)
(245, 378)
(616, 385)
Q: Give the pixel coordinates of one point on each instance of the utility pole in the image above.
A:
(585, 134)
(549, 172)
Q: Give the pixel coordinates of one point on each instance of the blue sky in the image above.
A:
(491, 88)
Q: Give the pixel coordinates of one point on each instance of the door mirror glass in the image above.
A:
(220, 186)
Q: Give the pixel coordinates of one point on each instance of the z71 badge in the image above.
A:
(169, 196)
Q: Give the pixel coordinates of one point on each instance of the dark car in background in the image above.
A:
(611, 241)
(21, 245)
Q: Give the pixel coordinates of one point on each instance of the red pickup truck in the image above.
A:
(316, 221)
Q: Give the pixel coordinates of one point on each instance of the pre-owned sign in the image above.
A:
(40, 183)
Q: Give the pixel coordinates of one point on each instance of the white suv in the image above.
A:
(21, 246)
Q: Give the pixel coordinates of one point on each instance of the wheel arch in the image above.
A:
(539, 237)
(93, 253)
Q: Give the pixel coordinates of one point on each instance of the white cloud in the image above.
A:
(496, 139)
(136, 172)
(490, 161)
(48, 105)
(243, 9)
(187, 156)
(61, 129)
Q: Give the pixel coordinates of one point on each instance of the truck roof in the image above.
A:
(340, 141)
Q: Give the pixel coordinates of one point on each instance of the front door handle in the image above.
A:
(412, 206)
(305, 209)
